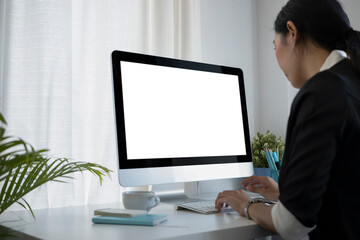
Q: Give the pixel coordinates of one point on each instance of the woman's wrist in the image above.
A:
(250, 212)
(260, 213)
(253, 201)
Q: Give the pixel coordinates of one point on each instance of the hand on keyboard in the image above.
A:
(204, 207)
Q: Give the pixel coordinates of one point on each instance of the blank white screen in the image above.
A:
(172, 112)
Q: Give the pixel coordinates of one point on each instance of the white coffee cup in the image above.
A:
(141, 200)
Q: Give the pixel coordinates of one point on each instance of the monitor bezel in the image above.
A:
(124, 163)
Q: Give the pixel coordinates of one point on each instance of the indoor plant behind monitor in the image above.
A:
(258, 145)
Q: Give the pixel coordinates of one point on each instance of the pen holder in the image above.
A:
(275, 175)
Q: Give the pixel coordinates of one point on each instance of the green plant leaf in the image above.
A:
(9, 145)
(9, 191)
(3, 190)
(27, 207)
(21, 178)
(2, 119)
(2, 132)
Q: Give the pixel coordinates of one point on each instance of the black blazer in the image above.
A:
(320, 174)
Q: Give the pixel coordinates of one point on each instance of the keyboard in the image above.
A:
(204, 207)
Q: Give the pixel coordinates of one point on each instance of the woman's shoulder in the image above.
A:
(337, 89)
(325, 83)
(342, 78)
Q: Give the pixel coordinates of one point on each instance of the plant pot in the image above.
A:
(267, 172)
(275, 175)
(262, 171)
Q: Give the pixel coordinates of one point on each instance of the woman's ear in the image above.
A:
(293, 32)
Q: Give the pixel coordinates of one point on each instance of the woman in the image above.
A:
(317, 191)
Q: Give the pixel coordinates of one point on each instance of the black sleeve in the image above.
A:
(313, 136)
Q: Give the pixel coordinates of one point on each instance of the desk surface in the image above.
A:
(75, 223)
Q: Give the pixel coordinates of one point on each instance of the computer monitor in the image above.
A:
(178, 121)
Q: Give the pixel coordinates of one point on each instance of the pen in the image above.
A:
(270, 160)
(276, 159)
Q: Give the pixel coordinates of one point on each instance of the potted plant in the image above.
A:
(23, 169)
(258, 145)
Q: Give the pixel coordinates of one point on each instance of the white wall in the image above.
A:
(239, 33)
(352, 8)
(228, 39)
(275, 92)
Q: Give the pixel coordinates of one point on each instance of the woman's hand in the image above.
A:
(265, 186)
(235, 199)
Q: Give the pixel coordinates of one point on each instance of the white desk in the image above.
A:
(75, 223)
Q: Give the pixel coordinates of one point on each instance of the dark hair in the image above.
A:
(325, 22)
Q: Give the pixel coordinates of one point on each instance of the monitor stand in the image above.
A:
(176, 193)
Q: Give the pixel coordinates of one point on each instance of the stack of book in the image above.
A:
(127, 217)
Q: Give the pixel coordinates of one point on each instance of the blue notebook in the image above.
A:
(144, 220)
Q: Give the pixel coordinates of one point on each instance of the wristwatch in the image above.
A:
(255, 200)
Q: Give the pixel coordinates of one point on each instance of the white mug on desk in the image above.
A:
(141, 200)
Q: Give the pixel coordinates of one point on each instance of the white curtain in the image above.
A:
(155, 19)
(55, 77)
